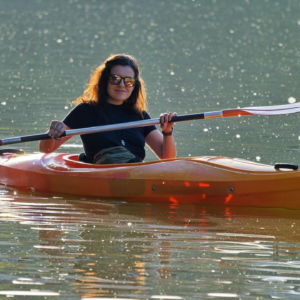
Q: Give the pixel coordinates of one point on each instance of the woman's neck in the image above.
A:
(114, 102)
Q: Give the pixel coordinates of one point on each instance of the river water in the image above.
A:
(196, 56)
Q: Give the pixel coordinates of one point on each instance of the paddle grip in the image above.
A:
(26, 138)
(35, 137)
(188, 117)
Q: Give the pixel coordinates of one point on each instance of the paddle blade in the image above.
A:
(275, 110)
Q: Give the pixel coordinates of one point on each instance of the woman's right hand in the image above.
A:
(57, 128)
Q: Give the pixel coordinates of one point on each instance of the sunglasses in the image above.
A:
(116, 79)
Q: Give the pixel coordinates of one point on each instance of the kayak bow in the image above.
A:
(200, 180)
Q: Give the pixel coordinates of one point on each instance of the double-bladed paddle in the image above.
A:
(258, 110)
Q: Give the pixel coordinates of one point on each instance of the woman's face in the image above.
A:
(119, 93)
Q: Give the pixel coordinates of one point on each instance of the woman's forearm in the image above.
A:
(48, 146)
(169, 147)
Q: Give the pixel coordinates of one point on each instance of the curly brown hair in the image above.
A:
(96, 90)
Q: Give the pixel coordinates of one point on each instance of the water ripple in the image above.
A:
(99, 248)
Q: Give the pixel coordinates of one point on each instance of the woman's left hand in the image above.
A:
(165, 124)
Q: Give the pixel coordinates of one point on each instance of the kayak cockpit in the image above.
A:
(232, 164)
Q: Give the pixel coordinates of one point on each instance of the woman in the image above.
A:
(115, 94)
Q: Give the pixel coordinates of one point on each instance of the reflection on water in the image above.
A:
(83, 248)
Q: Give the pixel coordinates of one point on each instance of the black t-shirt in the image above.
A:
(87, 115)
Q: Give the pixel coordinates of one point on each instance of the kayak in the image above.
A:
(208, 180)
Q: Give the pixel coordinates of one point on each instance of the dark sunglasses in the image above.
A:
(116, 79)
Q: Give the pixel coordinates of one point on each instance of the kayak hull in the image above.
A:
(200, 180)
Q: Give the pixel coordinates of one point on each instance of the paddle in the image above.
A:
(259, 110)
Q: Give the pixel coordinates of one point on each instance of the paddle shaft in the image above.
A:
(89, 130)
(260, 110)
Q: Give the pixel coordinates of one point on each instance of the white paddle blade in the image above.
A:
(273, 110)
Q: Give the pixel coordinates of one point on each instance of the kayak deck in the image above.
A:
(202, 180)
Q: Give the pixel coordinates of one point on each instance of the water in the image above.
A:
(196, 56)
(82, 248)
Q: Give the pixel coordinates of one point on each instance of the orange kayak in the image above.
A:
(200, 180)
